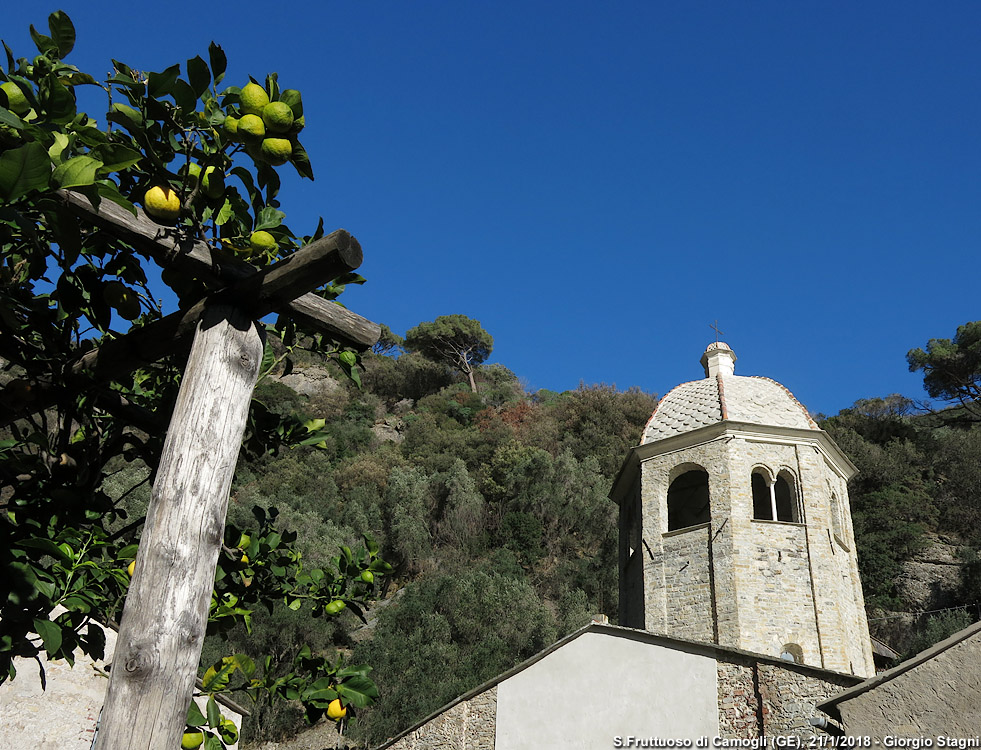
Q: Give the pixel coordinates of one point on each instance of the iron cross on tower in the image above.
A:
(718, 333)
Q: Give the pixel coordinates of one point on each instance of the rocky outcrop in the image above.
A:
(931, 579)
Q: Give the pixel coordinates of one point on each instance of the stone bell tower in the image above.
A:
(735, 525)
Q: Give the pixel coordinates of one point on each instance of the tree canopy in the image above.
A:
(457, 341)
(952, 369)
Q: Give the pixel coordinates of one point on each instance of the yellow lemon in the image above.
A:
(253, 98)
(276, 151)
(162, 203)
(251, 128)
(335, 711)
(278, 117)
(262, 242)
(16, 102)
(131, 568)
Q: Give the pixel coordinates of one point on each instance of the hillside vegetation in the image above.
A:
(492, 506)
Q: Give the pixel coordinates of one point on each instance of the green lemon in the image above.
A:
(192, 740)
(334, 607)
(193, 171)
(213, 182)
(367, 576)
(276, 151)
(14, 99)
(262, 242)
(231, 127)
(253, 98)
(251, 128)
(278, 117)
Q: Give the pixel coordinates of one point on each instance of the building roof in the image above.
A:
(723, 396)
(830, 706)
(704, 648)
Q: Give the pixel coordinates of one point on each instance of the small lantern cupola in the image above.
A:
(718, 359)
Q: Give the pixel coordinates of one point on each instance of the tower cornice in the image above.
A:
(729, 429)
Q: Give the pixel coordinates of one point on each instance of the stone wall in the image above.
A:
(61, 715)
(467, 725)
(790, 696)
(657, 473)
(776, 591)
(688, 584)
(779, 699)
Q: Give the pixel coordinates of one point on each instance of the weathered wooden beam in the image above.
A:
(258, 293)
(198, 259)
(166, 611)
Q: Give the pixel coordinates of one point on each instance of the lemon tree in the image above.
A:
(192, 153)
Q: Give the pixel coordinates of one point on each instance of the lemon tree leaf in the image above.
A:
(76, 172)
(358, 690)
(292, 98)
(217, 675)
(62, 32)
(11, 120)
(109, 191)
(269, 218)
(184, 95)
(161, 84)
(128, 117)
(194, 716)
(42, 42)
(50, 635)
(58, 103)
(23, 169)
(301, 161)
(116, 156)
(198, 75)
(214, 713)
(219, 63)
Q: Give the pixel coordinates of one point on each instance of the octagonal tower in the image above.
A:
(735, 525)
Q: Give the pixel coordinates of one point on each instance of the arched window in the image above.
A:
(762, 506)
(792, 652)
(775, 500)
(785, 494)
(688, 500)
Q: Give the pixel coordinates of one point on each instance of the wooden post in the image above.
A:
(166, 611)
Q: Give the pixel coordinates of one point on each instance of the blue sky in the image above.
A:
(598, 182)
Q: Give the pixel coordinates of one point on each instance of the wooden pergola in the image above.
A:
(166, 611)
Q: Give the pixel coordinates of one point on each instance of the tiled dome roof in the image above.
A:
(723, 396)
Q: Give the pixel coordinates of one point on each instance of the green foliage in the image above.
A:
(456, 341)
(936, 628)
(72, 462)
(448, 634)
(952, 369)
(889, 528)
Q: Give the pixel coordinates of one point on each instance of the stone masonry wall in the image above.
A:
(780, 699)
(468, 725)
(790, 696)
(782, 609)
(840, 605)
(657, 474)
(688, 582)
